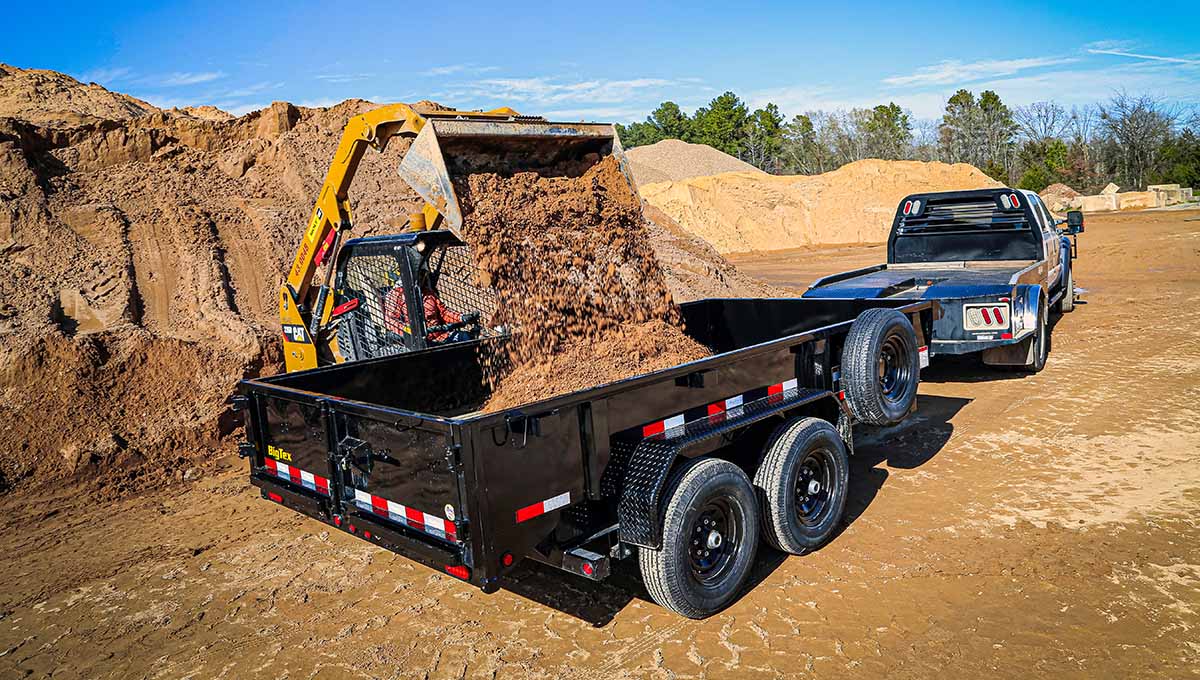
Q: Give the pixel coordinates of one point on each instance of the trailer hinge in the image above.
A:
(246, 450)
(239, 402)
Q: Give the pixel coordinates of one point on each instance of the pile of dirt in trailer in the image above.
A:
(672, 160)
(743, 212)
(572, 265)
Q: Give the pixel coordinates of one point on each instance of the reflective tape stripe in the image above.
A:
(402, 514)
(542, 507)
(295, 475)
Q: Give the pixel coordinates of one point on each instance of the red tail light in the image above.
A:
(1016, 203)
(987, 318)
(999, 316)
(275, 497)
(459, 571)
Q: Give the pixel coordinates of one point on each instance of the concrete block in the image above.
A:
(1139, 200)
(1099, 203)
(1158, 187)
(1110, 189)
(1170, 196)
(1187, 195)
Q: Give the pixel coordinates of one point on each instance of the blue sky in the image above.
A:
(614, 60)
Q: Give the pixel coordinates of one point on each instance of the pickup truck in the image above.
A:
(995, 260)
(685, 467)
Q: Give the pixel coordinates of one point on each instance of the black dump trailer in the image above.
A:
(684, 467)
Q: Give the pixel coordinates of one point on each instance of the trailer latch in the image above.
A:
(246, 450)
(239, 402)
(356, 452)
(525, 425)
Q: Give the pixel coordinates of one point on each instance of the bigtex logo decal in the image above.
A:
(279, 454)
(294, 333)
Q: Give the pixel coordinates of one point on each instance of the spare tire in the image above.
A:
(880, 367)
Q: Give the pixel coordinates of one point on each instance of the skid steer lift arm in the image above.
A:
(303, 308)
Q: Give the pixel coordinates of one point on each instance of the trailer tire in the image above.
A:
(1067, 302)
(803, 482)
(710, 536)
(880, 367)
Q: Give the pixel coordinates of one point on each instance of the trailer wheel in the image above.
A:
(710, 535)
(1041, 341)
(803, 483)
(1067, 302)
(880, 368)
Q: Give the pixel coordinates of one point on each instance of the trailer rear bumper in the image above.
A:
(409, 543)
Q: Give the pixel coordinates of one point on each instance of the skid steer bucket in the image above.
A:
(447, 149)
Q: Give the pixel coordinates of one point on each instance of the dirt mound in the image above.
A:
(51, 98)
(742, 212)
(1058, 195)
(571, 262)
(204, 113)
(150, 250)
(694, 269)
(672, 160)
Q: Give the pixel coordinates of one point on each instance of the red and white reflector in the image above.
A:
(540, 508)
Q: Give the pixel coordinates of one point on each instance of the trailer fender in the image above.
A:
(639, 510)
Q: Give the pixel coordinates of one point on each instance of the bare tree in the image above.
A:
(1136, 127)
(1041, 121)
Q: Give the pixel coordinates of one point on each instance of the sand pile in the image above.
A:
(742, 212)
(672, 160)
(571, 262)
(1058, 196)
(52, 98)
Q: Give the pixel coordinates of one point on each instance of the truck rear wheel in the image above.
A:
(710, 535)
(803, 482)
(880, 368)
(1041, 341)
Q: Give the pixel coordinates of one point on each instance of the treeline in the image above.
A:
(1132, 140)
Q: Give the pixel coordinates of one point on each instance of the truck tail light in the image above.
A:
(989, 316)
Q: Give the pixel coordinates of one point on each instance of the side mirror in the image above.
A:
(1074, 222)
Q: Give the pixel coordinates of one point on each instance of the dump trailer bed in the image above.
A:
(397, 452)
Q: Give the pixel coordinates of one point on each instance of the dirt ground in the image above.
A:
(1018, 526)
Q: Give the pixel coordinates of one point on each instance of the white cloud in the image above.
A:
(457, 69)
(251, 90)
(345, 77)
(243, 109)
(953, 71)
(105, 75)
(1148, 57)
(189, 78)
(553, 91)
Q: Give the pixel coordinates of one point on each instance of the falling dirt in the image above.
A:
(1014, 528)
(572, 265)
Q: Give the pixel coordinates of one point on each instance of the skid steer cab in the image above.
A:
(406, 292)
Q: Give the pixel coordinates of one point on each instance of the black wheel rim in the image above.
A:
(713, 540)
(814, 487)
(894, 368)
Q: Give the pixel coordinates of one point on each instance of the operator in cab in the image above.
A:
(395, 310)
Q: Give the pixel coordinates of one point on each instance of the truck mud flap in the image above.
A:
(650, 458)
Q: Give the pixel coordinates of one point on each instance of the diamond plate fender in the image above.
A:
(645, 477)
